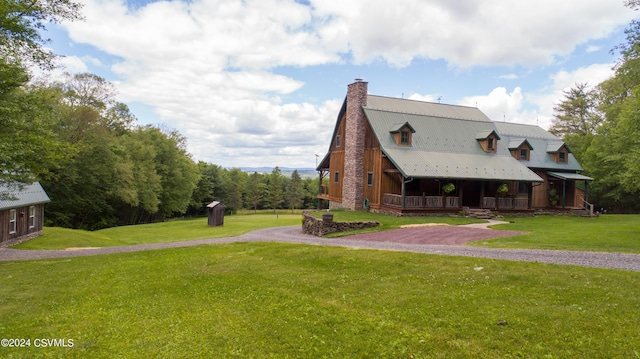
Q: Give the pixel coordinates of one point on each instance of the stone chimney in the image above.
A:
(353, 179)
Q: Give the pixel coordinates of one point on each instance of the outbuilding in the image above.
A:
(21, 212)
(215, 211)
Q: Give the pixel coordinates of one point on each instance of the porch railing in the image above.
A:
(505, 203)
(413, 202)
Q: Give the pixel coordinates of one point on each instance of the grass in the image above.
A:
(268, 300)
(607, 233)
(173, 231)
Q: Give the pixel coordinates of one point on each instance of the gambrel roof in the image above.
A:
(445, 147)
(446, 139)
(543, 142)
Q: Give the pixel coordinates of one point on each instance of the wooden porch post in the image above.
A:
(320, 189)
(482, 194)
(404, 181)
(461, 188)
(564, 192)
(586, 191)
(530, 195)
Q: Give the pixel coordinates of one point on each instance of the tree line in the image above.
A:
(98, 166)
(101, 169)
(601, 126)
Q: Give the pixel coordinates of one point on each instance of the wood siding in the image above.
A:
(336, 161)
(22, 222)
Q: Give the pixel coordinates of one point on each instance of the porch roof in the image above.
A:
(427, 164)
(570, 176)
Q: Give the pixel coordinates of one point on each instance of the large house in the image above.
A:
(21, 212)
(405, 156)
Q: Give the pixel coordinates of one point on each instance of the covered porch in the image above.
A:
(449, 195)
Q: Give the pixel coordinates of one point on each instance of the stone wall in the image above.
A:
(353, 179)
(321, 226)
(16, 241)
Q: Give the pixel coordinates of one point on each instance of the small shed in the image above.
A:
(21, 212)
(215, 211)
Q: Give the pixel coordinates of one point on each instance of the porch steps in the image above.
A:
(480, 213)
(581, 213)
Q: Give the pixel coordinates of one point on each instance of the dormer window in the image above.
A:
(559, 152)
(402, 134)
(562, 157)
(520, 149)
(488, 140)
(405, 138)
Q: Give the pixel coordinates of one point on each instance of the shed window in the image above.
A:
(32, 216)
(12, 221)
(404, 138)
(338, 141)
(370, 179)
(336, 177)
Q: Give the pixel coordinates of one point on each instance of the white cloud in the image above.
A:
(509, 77)
(470, 33)
(207, 67)
(545, 99)
(427, 98)
(498, 105)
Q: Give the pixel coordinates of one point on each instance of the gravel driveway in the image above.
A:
(430, 240)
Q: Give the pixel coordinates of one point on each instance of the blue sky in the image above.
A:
(260, 82)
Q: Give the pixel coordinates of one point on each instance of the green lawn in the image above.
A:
(172, 231)
(269, 300)
(607, 233)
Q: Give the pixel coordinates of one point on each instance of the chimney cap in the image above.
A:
(358, 80)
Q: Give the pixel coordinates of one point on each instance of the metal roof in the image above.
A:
(425, 108)
(484, 134)
(428, 164)
(14, 197)
(515, 143)
(214, 203)
(541, 143)
(445, 148)
(519, 130)
(570, 176)
(554, 146)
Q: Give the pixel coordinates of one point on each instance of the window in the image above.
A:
(562, 157)
(524, 154)
(404, 138)
(338, 141)
(523, 188)
(336, 177)
(490, 143)
(32, 216)
(12, 221)
(370, 179)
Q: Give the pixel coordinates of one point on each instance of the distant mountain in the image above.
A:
(287, 171)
